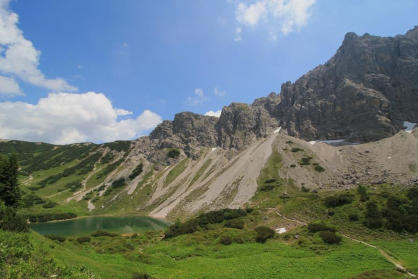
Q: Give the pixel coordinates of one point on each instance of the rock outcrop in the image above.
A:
(363, 93)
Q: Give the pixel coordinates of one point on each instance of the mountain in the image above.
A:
(363, 94)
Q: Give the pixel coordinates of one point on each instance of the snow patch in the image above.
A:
(280, 230)
(312, 142)
(277, 130)
(409, 126)
(214, 148)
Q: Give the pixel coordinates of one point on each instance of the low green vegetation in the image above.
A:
(137, 171)
(173, 153)
(176, 171)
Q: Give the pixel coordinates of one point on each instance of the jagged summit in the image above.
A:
(363, 93)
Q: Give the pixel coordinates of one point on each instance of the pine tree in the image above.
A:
(9, 190)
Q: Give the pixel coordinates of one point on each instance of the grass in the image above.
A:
(192, 257)
(176, 171)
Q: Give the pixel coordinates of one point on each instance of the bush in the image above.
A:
(137, 171)
(45, 217)
(225, 240)
(11, 221)
(267, 187)
(264, 233)
(373, 217)
(103, 233)
(141, 275)
(319, 168)
(295, 149)
(49, 204)
(338, 200)
(293, 166)
(83, 239)
(304, 189)
(306, 161)
(56, 237)
(353, 217)
(201, 221)
(330, 237)
(319, 227)
(270, 180)
(235, 224)
(362, 191)
(173, 153)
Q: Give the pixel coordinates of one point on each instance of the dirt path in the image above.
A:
(388, 257)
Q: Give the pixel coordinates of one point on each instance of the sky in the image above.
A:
(105, 70)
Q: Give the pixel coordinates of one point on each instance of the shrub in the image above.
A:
(353, 217)
(373, 217)
(263, 233)
(49, 204)
(11, 221)
(362, 191)
(225, 240)
(330, 237)
(270, 180)
(296, 149)
(413, 192)
(319, 227)
(141, 275)
(173, 153)
(306, 161)
(234, 223)
(119, 183)
(319, 168)
(103, 233)
(267, 187)
(293, 166)
(137, 171)
(56, 237)
(83, 239)
(201, 221)
(338, 200)
(304, 189)
(45, 217)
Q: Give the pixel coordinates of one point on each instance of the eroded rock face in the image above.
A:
(362, 94)
(187, 131)
(240, 124)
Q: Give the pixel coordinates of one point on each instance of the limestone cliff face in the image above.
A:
(187, 131)
(363, 93)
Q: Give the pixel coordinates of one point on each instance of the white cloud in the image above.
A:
(123, 112)
(214, 113)
(218, 92)
(198, 97)
(19, 57)
(67, 118)
(282, 16)
(251, 15)
(9, 87)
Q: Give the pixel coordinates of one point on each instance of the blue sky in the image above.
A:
(165, 57)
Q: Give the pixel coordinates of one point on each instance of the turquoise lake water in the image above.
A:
(88, 225)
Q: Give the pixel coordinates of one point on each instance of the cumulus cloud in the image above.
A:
(282, 16)
(214, 113)
(63, 118)
(18, 56)
(9, 87)
(197, 98)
